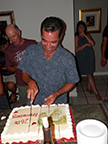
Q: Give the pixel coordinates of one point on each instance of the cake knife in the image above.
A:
(30, 116)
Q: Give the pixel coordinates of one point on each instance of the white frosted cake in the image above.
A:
(18, 129)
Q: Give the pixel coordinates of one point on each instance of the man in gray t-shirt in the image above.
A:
(48, 69)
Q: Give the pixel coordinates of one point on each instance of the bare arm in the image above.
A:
(77, 49)
(32, 86)
(103, 48)
(66, 88)
(89, 38)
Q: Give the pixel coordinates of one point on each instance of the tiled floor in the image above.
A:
(85, 98)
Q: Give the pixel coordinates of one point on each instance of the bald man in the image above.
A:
(13, 55)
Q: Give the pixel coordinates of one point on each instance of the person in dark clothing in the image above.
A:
(85, 56)
(104, 53)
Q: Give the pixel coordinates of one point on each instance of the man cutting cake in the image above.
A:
(48, 69)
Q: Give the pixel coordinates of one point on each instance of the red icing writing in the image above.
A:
(23, 121)
(24, 115)
(33, 123)
(15, 112)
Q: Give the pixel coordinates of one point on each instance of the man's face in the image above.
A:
(50, 41)
(14, 36)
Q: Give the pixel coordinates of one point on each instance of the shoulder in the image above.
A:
(27, 43)
(76, 37)
(65, 54)
(105, 31)
(9, 48)
(30, 41)
(106, 27)
(33, 48)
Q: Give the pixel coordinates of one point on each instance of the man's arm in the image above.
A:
(90, 39)
(11, 69)
(32, 86)
(103, 48)
(66, 88)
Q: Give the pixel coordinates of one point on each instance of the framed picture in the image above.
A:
(92, 18)
(6, 18)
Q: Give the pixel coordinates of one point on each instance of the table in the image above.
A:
(93, 111)
(80, 112)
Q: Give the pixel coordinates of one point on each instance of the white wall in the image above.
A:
(86, 4)
(30, 13)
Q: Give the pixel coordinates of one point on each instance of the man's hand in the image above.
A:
(32, 90)
(50, 99)
(64, 89)
(4, 68)
(103, 61)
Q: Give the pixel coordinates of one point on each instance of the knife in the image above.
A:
(30, 116)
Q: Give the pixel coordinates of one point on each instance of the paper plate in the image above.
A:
(91, 130)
